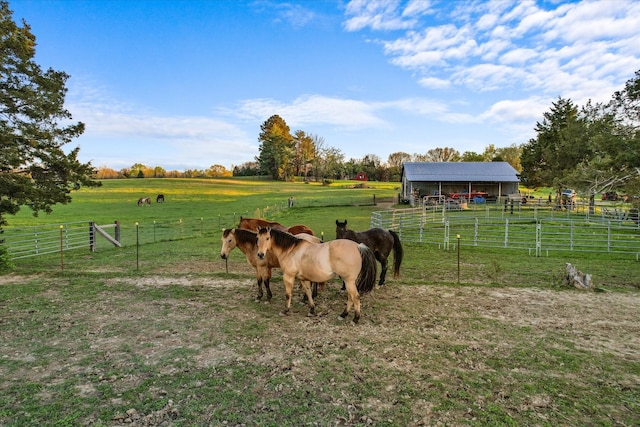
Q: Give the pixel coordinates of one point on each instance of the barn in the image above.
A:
(456, 179)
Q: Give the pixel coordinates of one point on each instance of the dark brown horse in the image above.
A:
(381, 242)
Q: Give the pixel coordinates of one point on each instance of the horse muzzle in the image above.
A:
(260, 255)
(223, 256)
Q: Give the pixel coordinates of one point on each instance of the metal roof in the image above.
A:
(460, 172)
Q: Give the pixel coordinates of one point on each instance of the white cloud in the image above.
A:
(523, 110)
(561, 49)
(120, 132)
(317, 109)
(434, 83)
(384, 14)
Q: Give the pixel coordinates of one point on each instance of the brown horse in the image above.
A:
(320, 262)
(144, 201)
(381, 243)
(246, 241)
(255, 223)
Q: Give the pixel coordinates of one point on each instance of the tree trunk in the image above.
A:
(575, 278)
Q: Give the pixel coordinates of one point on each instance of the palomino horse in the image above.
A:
(320, 262)
(246, 241)
(144, 201)
(381, 243)
(255, 223)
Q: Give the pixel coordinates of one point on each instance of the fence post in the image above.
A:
(475, 233)
(446, 235)
(506, 232)
(61, 249)
(539, 239)
(117, 231)
(92, 237)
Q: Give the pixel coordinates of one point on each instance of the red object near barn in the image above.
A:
(361, 176)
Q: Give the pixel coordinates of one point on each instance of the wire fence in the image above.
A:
(536, 229)
(25, 242)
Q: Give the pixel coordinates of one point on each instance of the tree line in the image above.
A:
(299, 155)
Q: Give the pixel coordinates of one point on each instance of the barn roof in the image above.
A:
(460, 171)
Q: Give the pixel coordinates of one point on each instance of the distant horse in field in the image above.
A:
(160, 198)
(144, 201)
(320, 262)
(381, 243)
(246, 241)
(255, 223)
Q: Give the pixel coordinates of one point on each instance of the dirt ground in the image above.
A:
(401, 323)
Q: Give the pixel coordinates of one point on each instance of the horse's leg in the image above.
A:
(307, 290)
(259, 296)
(267, 282)
(383, 273)
(314, 292)
(268, 288)
(288, 291)
(353, 299)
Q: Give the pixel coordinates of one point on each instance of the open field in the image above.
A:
(164, 335)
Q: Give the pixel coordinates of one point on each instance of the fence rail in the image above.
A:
(42, 240)
(536, 231)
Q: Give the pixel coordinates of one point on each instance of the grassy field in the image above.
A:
(170, 334)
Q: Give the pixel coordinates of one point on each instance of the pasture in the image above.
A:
(169, 333)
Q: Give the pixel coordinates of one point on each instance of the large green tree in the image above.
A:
(277, 148)
(558, 148)
(305, 153)
(35, 171)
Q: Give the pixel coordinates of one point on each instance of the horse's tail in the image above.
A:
(398, 253)
(368, 271)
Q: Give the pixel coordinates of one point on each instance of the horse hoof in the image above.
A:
(284, 313)
(343, 315)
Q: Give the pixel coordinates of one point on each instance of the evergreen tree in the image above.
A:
(558, 148)
(277, 149)
(35, 171)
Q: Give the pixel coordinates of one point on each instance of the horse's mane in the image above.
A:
(281, 238)
(242, 235)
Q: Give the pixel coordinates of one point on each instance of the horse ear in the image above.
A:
(337, 222)
(345, 222)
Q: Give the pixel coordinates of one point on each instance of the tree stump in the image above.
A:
(577, 279)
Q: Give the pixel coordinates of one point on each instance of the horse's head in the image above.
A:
(264, 241)
(228, 242)
(341, 229)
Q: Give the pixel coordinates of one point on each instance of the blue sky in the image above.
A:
(187, 84)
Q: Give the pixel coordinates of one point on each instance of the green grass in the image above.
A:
(176, 339)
